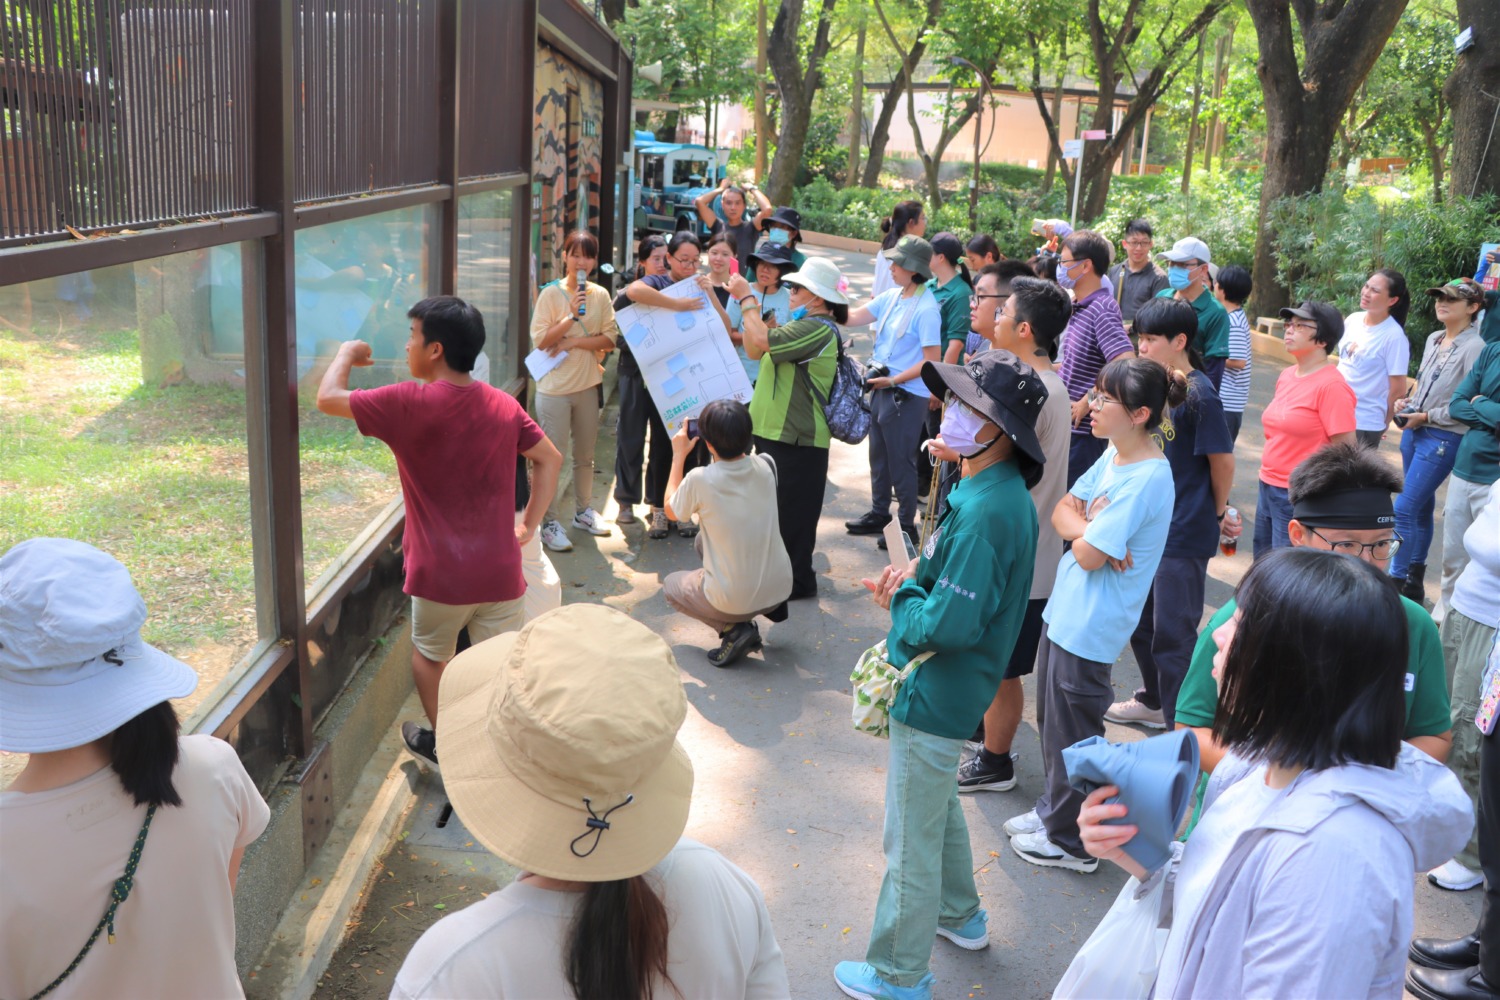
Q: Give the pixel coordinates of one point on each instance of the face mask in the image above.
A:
(1065, 276)
(779, 236)
(960, 426)
(799, 313)
(1178, 278)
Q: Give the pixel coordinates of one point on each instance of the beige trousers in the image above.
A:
(572, 419)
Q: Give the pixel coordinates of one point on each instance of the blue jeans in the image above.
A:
(929, 869)
(1427, 456)
(1273, 511)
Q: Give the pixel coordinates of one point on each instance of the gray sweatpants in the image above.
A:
(1072, 696)
(897, 419)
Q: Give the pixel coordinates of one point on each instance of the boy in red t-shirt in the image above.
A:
(455, 442)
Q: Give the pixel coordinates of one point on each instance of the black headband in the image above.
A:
(1359, 509)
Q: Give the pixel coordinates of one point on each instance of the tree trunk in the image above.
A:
(880, 134)
(857, 109)
(1221, 74)
(1476, 116)
(797, 85)
(1098, 163)
(1192, 139)
(762, 118)
(1304, 104)
(1054, 151)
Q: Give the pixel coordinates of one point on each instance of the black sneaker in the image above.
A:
(987, 772)
(421, 743)
(739, 640)
(870, 523)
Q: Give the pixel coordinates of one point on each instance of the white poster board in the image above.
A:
(686, 358)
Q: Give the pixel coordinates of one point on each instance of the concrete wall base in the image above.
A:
(272, 876)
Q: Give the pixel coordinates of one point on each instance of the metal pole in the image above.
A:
(974, 184)
(1077, 183)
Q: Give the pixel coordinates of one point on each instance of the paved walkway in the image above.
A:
(788, 790)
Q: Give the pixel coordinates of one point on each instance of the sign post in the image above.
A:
(1073, 150)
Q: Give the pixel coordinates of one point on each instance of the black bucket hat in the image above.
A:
(773, 253)
(789, 217)
(1004, 390)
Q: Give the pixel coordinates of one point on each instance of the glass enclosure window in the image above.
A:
(689, 171)
(123, 424)
(486, 224)
(356, 280)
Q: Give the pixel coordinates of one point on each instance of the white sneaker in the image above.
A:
(1027, 822)
(1454, 876)
(589, 520)
(555, 536)
(1040, 850)
(1133, 713)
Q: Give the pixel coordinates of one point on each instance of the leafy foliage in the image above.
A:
(1326, 245)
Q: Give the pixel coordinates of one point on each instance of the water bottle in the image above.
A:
(1228, 545)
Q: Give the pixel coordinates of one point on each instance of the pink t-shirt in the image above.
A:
(1303, 416)
(456, 449)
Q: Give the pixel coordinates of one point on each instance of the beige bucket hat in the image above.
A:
(560, 749)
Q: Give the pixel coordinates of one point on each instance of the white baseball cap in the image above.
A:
(73, 666)
(1187, 248)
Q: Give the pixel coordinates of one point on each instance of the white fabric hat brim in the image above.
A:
(41, 718)
(528, 829)
(822, 291)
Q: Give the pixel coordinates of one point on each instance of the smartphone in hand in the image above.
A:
(692, 427)
(898, 546)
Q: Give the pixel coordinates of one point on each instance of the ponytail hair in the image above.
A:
(143, 753)
(617, 946)
(902, 216)
(1396, 284)
(983, 244)
(1138, 382)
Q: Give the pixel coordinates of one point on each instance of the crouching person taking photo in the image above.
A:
(746, 571)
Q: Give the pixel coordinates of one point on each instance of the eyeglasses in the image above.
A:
(1097, 400)
(1381, 550)
(688, 261)
(974, 299)
(1137, 244)
(1302, 324)
(1068, 264)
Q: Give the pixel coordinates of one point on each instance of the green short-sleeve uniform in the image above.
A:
(953, 303)
(794, 374)
(1427, 709)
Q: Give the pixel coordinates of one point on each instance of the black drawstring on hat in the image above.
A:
(596, 825)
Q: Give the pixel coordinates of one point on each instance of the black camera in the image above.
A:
(874, 370)
(1403, 415)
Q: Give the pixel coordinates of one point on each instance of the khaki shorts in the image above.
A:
(435, 627)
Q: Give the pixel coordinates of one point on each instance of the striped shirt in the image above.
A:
(1234, 390)
(1095, 334)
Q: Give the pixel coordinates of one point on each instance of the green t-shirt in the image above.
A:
(802, 360)
(953, 303)
(1478, 458)
(965, 604)
(1427, 707)
(1213, 323)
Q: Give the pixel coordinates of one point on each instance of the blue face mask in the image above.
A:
(778, 236)
(1065, 275)
(1177, 277)
(799, 313)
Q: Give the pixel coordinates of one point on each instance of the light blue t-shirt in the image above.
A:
(902, 328)
(778, 303)
(1092, 613)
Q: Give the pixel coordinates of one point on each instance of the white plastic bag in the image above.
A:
(1120, 959)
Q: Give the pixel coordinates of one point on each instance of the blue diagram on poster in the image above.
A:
(686, 358)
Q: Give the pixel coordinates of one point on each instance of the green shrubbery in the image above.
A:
(1327, 244)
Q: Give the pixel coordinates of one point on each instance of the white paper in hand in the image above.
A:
(539, 362)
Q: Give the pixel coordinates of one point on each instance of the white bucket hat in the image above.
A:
(822, 277)
(559, 744)
(73, 666)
